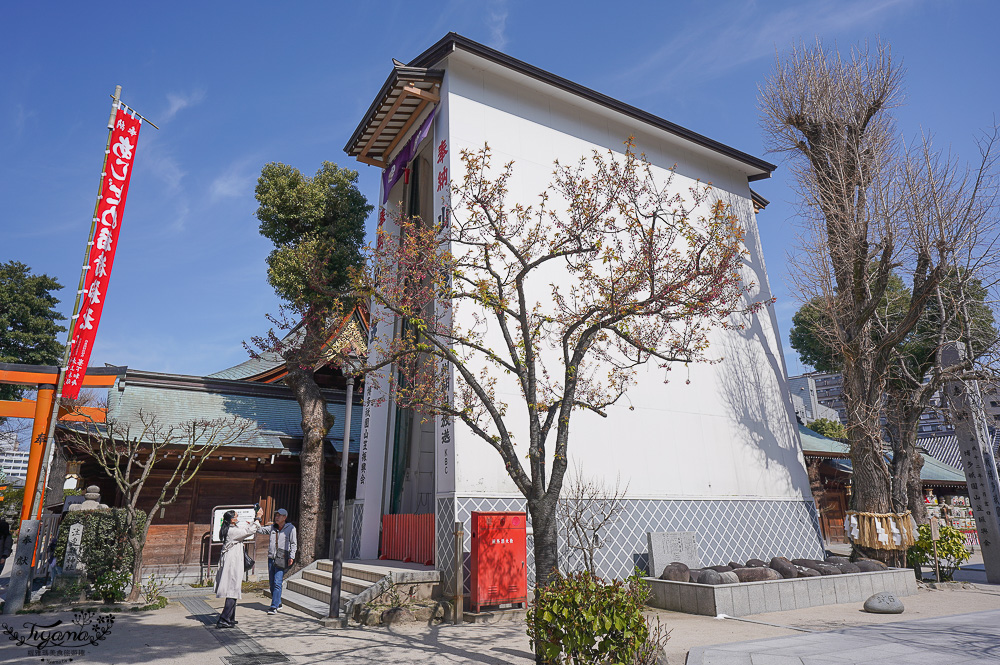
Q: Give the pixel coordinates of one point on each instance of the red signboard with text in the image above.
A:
(114, 189)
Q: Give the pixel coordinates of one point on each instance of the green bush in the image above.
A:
(580, 619)
(950, 549)
(105, 539)
(111, 585)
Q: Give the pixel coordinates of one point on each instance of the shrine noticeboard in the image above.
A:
(107, 224)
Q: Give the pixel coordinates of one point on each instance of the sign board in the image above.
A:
(935, 529)
(665, 547)
(243, 514)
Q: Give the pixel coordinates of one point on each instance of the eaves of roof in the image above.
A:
(453, 41)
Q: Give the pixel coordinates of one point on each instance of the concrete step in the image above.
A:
(355, 572)
(315, 608)
(316, 591)
(349, 584)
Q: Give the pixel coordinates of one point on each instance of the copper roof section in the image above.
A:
(405, 95)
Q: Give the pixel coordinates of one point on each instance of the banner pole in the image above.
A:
(38, 497)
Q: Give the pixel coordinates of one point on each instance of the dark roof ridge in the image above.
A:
(216, 385)
(453, 40)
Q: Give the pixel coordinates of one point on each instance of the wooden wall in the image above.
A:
(176, 535)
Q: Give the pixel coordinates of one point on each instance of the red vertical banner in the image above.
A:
(110, 209)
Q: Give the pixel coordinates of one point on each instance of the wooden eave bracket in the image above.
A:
(431, 96)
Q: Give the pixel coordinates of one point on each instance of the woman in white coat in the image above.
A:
(229, 579)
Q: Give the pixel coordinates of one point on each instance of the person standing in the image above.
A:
(229, 579)
(281, 550)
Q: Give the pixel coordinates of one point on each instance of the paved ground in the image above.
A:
(956, 640)
(180, 634)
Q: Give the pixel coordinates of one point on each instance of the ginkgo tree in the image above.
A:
(609, 270)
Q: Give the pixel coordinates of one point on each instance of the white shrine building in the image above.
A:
(719, 456)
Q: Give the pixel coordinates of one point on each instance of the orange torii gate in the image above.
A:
(44, 378)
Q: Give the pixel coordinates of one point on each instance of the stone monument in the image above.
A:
(71, 560)
(665, 547)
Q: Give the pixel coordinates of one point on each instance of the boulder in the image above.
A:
(720, 569)
(676, 572)
(806, 572)
(696, 574)
(395, 615)
(836, 560)
(848, 567)
(870, 565)
(756, 563)
(884, 603)
(784, 567)
(756, 574)
(733, 565)
(826, 569)
(806, 563)
(709, 576)
(729, 577)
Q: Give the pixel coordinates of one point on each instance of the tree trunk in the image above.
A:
(137, 548)
(544, 525)
(915, 490)
(316, 422)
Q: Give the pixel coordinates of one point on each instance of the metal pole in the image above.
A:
(459, 572)
(338, 544)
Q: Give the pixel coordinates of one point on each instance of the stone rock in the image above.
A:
(729, 577)
(806, 563)
(884, 603)
(676, 572)
(836, 560)
(870, 565)
(826, 569)
(756, 563)
(784, 567)
(720, 569)
(709, 576)
(733, 565)
(395, 615)
(756, 574)
(673, 547)
(695, 574)
(848, 567)
(806, 572)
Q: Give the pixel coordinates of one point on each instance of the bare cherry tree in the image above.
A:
(587, 508)
(128, 452)
(612, 269)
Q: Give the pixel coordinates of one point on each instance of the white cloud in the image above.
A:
(178, 102)
(236, 181)
(496, 21)
(736, 36)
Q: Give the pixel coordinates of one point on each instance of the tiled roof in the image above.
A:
(177, 399)
(252, 367)
(945, 448)
(934, 470)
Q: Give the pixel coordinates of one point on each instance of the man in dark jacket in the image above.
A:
(281, 550)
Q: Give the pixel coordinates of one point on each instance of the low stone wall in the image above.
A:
(776, 595)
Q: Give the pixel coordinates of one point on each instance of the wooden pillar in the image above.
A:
(36, 448)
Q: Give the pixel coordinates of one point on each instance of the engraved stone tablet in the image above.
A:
(668, 546)
(71, 561)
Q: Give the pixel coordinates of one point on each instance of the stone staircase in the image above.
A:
(308, 590)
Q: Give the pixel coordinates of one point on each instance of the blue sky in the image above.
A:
(234, 86)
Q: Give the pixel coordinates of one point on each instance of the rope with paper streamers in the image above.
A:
(881, 531)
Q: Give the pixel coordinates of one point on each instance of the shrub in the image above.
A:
(111, 585)
(950, 549)
(580, 618)
(105, 539)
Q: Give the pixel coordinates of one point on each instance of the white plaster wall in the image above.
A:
(727, 434)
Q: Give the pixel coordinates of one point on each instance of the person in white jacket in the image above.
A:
(229, 579)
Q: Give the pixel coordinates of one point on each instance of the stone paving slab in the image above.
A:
(956, 639)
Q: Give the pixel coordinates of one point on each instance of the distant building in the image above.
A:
(14, 463)
(805, 400)
(829, 393)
